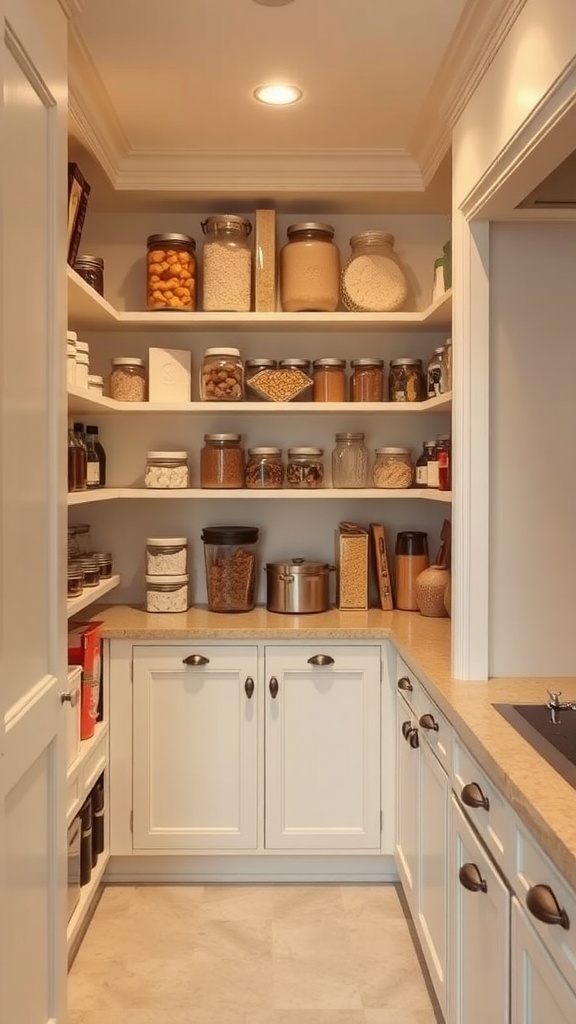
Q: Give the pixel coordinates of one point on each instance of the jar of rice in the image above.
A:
(373, 280)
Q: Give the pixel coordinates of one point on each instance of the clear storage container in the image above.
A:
(349, 461)
(393, 467)
(171, 272)
(104, 559)
(230, 559)
(329, 376)
(405, 380)
(305, 468)
(167, 470)
(128, 379)
(222, 375)
(310, 269)
(166, 556)
(222, 461)
(264, 468)
(75, 581)
(373, 279)
(91, 270)
(167, 593)
(227, 280)
(367, 380)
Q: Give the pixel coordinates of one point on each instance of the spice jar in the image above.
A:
(434, 373)
(373, 279)
(104, 559)
(404, 380)
(443, 451)
(96, 384)
(222, 461)
(222, 375)
(171, 272)
(83, 539)
(167, 470)
(254, 366)
(264, 468)
(166, 556)
(227, 264)
(230, 559)
(167, 593)
(305, 467)
(309, 269)
(421, 473)
(349, 461)
(91, 270)
(75, 581)
(393, 467)
(329, 376)
(367, 380)
(90, 570)
(128, 380)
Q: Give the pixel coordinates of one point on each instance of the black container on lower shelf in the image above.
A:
(97, 797)
(86, 842)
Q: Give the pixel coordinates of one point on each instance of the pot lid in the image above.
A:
(299, 566)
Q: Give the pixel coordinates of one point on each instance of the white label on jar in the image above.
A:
(422, 476)
(433, 476)
(93, 473)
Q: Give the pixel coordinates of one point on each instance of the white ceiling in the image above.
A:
(161, 94)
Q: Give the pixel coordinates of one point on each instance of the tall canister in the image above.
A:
(230, 559)
(411, 559)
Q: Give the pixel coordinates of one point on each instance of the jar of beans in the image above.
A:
(305, 468)
(367, 380)
(405, 380)
(222, 375)
(254, 366)
(310, 269)
(329, 376)
(227, 264)
(264, 468)
(171, 272)
(128, 380)
(222, 461)
(393, 467)
(168, 470)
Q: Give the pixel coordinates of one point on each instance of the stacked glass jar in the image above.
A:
(166, 574)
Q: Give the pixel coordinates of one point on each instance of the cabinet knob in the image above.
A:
(543, 905)
(273, 687)
(249, 687)
(195, 659)
(321, 659)
(429, 722)
(405, 684)
(473, 796)
(70, 697)
(406, 728)
(413, 739)
(471, 878)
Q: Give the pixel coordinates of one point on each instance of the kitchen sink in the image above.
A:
(550, 728)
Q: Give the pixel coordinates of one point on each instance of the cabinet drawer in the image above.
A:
(434, 728)
(538, 884)
(483, 806)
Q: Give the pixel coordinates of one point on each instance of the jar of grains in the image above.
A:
(222, 375)
(405, 380)
(227, 264)
(128, 380)
(349, 461)
(373, 279)
(393, 467)
(230, 560)
(222, 461)
(367, 380)
(264, 468)
(171, 272)
(329, 376)
(309, 269)
(167, 470)
(166, 556)
(305, 467)
(254, 366)
(167, 593)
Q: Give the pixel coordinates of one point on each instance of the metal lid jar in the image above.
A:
(310, 269)
(329, 376)
(166, 556)
(91, 270)
(367, 380)
(227, 279)
(167, 593)
(128, 379)
(405, 380)
(167, 470)
(349, 461)
(305, 468)
(373, 279)
(171, 272)
(393, 468)
(222, 461)
(264, 468)
(222, 375)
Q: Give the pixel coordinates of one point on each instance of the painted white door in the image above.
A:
(433, 867)
(479, 930)
(540, 995)
(32, 524)
(322, 748)
(195, 748)
(407, 797)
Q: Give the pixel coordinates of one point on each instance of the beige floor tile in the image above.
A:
(240, 986)
(242, 938)
(412, 1011)
(294, 938)
(233, 902)
(319, 1017)
(314, 984)
(397, 985)
(372, 903)
(306, 903)
(118, 985)
(382, 942)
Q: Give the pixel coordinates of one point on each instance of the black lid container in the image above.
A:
(412, 542)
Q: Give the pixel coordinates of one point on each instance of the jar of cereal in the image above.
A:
(227, 264)
(128, 380)
(171, 272)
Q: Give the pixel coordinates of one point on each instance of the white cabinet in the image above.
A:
(195, 748)
(433, 805)
(540, 995)
(322, 748)
(407, 769)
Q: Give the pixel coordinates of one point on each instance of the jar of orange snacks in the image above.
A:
(171, 272)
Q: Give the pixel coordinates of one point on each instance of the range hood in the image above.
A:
(557, 191)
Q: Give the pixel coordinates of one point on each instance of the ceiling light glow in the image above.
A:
(273, 3)
(278, 95)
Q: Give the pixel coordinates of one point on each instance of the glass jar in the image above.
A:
(253, 367)
(444, 453)
(310, 269)
(405, 380)
(171, 272)
(296, 381)
(167, 470)
(230, 559)
(166, 556)
(393, 468)
(91, 270)
(76, 462)
(434, 373)
(305, 469)
(222, 461)
(222, 375)
(104, 559)
(83, 539)
(75, 581)
(167, 593)
(373, 279)
(329, 376)
(95, 384)
(91, 571)
(128, 380)
(81, 457)
(227, 264)
(264, 468)
(446, 377)
(367, 380)
(73, 545)
(421, 472)
(349, 461)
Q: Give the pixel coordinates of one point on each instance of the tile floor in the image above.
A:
(323, 954)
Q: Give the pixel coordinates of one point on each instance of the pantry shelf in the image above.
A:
(91, 594)
(87, 895)
(81, 402)
(321, 494)
(89, 497)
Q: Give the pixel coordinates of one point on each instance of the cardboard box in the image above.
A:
(381, 566)
(169, 375)
(352, 562)
(85, 647)
(265, 262)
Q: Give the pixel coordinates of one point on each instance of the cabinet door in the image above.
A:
(195, 748)
(479, 930)
(540, 995)
(407, 783)
(433, 868)
(322, 748)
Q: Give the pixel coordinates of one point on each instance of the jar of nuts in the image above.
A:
(128, 380)
(264, 468)
(305, 468)
(222, 375)
(393, 467)
(171, 272)
(227, 264)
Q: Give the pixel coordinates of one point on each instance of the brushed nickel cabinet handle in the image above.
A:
(414, 739)
(195, 659)
(429, 722)
(273, 687)
(473, 796)
(321, 659)
(70, 697)
(471, 878)
(543, 905)
(405, 684)
(249, 687)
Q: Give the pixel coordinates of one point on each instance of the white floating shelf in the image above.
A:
(84, 402)
(257, 494)
(91, 594)
(89, 497)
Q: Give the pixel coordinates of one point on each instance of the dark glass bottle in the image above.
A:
(72, 461)
(82, 464)
(443, 448)
(92, 462)
(421, 475)
(91, 430)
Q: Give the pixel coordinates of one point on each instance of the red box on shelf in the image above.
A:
(85, 649)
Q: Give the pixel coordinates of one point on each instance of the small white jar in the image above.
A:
(167, 593)
(82, 370)
(166, 556)
(96, 383)
(167, 470)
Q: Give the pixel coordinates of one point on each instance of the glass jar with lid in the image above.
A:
(166, 556)
(264, 468)
(349, 461)
(75, 580)
(222, 375)
(329, 376)
(171, 272)
(405, 380)
(367, 380)
(91, 270)
(305, 467)
(104, 559)
(83, 539)
(167, 593)
(444, 455)
(253, 367)
(222, 461)
(231, 562)
(227, 279)
(393, 468)
(373, 279)
(434, 373)
(167, 470)
(299, 368)
(421, 470)
(128, 379)
(310, 269)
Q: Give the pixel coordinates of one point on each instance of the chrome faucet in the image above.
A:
(555, 705)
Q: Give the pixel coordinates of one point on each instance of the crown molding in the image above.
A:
(71, 7)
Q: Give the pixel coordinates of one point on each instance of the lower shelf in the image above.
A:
(87, 896)
(91, 594)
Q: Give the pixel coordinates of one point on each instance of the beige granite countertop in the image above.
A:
(539, 795)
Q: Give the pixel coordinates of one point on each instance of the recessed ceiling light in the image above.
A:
(278, 95)
(273, 3)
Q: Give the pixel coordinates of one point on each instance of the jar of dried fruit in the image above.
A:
(264, 468)
(373, 279)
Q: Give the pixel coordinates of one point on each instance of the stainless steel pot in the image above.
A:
(298, 586)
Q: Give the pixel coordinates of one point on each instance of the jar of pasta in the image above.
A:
(309, 269)
(171, 272)
(373, 279)
(393, 467)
